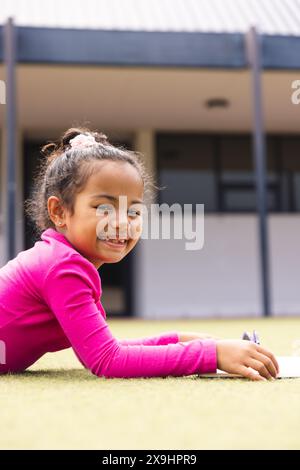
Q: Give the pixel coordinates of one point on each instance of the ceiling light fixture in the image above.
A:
(217, 103)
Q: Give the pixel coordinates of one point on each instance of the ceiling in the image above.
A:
(123, 100)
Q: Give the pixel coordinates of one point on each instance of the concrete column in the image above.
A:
(20, 235)
(144, 142)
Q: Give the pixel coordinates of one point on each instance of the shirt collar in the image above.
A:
(52, 233)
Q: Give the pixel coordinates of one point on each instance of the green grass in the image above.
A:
(57, 404)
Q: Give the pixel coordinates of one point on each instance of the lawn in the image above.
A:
(57, 404)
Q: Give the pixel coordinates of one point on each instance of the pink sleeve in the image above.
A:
(69, 290)
(164, 338)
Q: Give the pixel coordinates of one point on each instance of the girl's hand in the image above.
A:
(244, 358)
(183, 336)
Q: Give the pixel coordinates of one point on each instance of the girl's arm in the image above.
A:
(167, 338)
(183, 336)
(69, 290)
(164, 338)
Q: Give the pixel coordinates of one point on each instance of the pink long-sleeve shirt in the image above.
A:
(50, 300)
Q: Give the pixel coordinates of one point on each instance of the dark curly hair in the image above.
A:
(64, 171)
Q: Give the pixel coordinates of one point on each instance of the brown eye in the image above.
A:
(133, 213)
(104, 209)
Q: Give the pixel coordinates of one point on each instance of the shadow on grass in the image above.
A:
(63, 375)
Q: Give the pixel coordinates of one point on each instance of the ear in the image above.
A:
(56, 211)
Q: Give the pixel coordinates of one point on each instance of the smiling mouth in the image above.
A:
(114, 243)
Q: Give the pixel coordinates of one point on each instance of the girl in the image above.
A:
(50, 294)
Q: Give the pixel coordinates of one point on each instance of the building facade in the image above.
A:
(178, 89)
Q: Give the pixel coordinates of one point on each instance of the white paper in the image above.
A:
(289, 367)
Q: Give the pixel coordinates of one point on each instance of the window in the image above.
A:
(187, 169)
(218, 171)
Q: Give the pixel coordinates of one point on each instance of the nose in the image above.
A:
(119, 224)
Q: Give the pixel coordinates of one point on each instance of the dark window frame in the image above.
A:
(220, 187)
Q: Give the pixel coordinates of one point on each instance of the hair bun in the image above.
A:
(50, 151)
(101, 138)
(53, 150)
(74, 131)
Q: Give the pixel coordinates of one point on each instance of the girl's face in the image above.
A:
(100, 212)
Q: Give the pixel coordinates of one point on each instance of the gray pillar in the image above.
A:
(253, 43)
(10, 125)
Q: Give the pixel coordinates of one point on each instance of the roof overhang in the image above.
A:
(149, 49)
